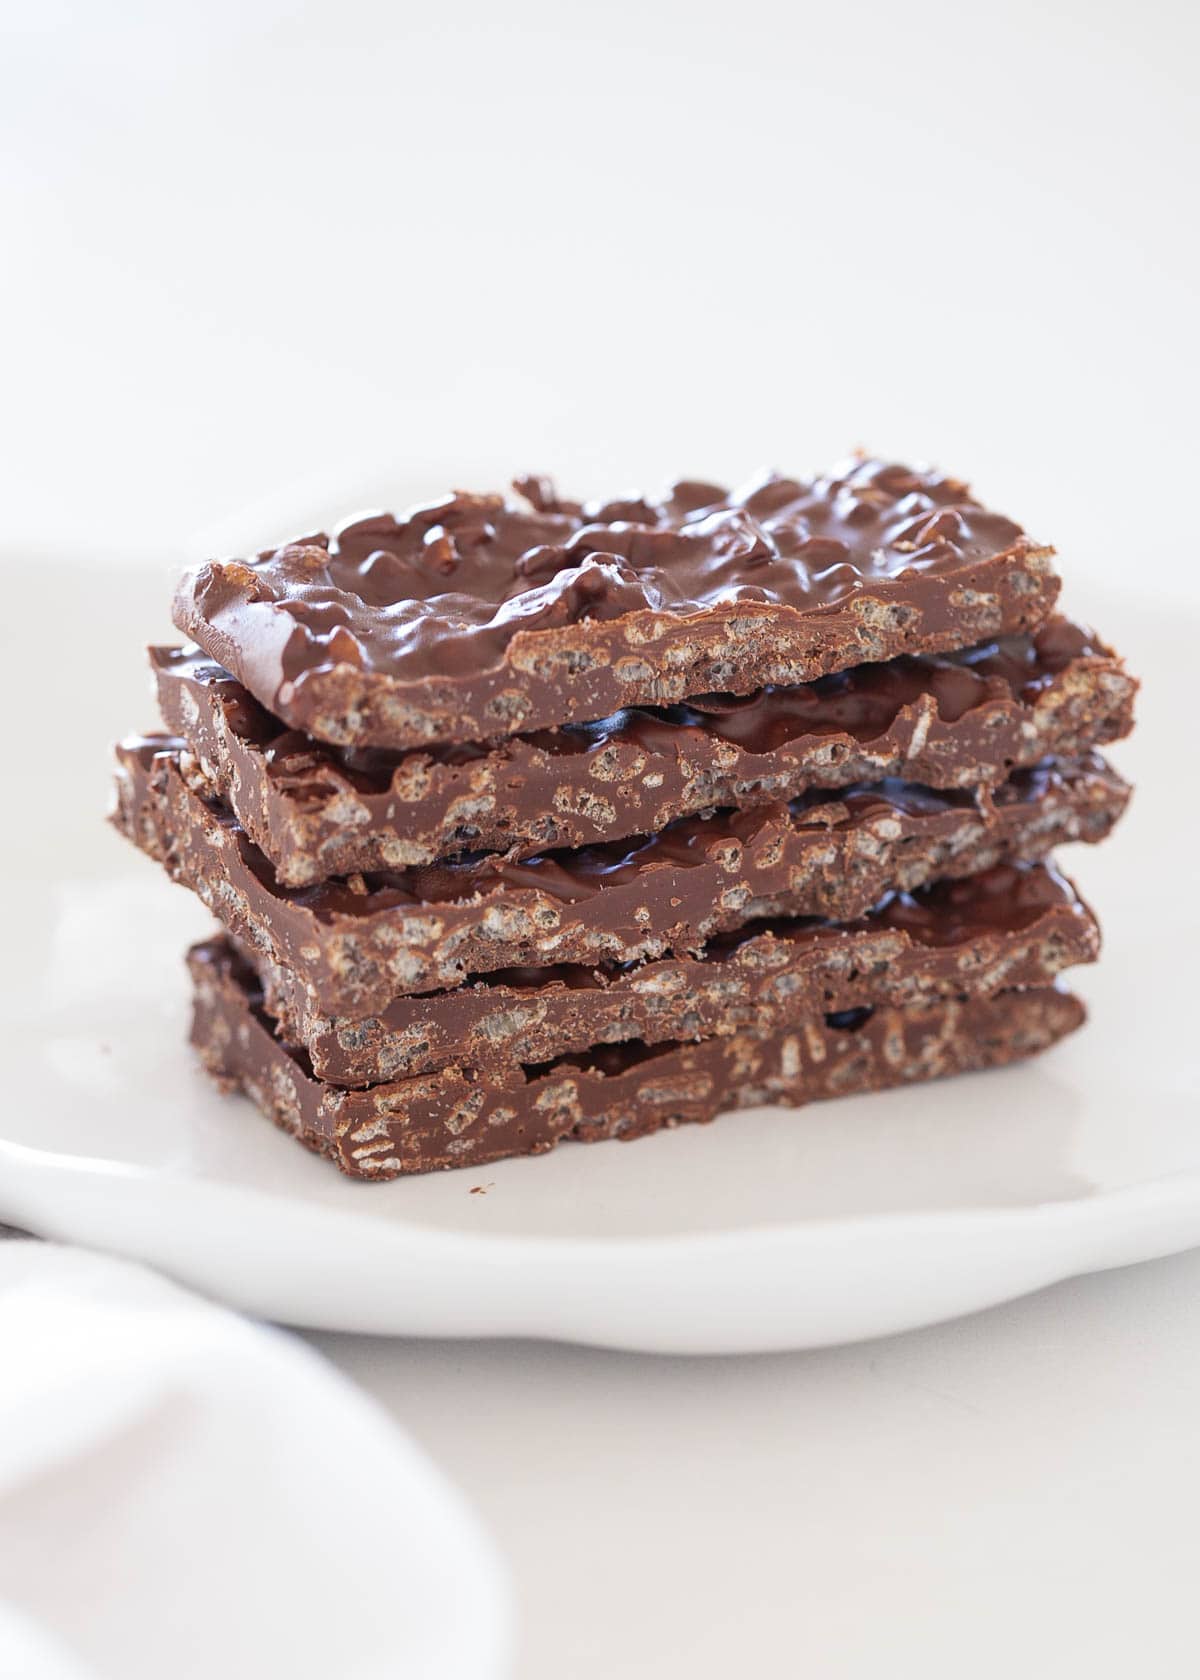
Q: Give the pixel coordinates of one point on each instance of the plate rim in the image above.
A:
(579, 1290)
(1086, 1207)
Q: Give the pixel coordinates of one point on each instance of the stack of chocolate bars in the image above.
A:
(526, 819)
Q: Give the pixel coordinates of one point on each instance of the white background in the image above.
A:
(260, 249)
(264, 255)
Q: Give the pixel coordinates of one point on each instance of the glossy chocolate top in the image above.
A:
(445, 587)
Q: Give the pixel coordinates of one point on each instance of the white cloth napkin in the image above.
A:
(185, 1493)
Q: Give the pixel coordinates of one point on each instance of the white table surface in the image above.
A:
(1011, 1494)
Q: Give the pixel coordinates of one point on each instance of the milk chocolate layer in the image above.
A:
(477, 617)
(948, 720)
(1017, 925)
(461, 1117)
(359, 943)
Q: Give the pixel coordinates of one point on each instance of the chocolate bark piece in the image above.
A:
(948, 720)
(465, 1117)
(1017, 925)
(476, 617)
(357, 944)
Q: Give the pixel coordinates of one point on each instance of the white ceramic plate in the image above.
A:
(769, 1229)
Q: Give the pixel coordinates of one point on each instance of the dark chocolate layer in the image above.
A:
(461, 1117)
(948, 720)
(358, 943)
(1017, 925)
(476, 617)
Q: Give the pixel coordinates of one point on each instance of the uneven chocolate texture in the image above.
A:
(462, 1118)
(478, 617)
(1017, 925)
(948, 720)
(359, 943)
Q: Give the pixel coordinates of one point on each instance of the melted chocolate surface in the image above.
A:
(391, 594)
